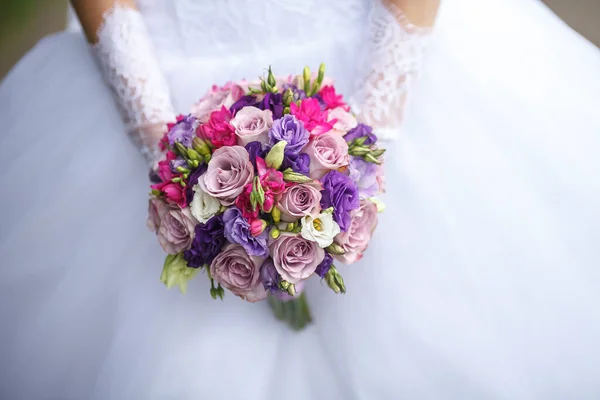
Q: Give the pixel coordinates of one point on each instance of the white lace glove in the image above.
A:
(130, 67)
(396, 55)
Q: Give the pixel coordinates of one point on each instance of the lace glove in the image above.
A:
(396, 48)
(130, 68)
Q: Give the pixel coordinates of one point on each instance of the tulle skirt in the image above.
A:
(481, 280)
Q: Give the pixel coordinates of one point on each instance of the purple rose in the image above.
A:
(364, 174)
(273, 102)
(207, 243)
(183, 131)
(228, 171)
(176, 230)
(292, 131)
(237, 230)
(299, 163)
(238, 272)
(295, 258)
(244, 101)
(340, 193)
(325, 265)
(193, 180)
(361, 130)
(269, 276)
(300, 200)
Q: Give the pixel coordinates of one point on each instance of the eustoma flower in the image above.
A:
(238, 230)
(340, 193)
(208, 241)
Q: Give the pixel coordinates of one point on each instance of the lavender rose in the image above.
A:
(327, 152)
(292, 131)
(156, 210)
(238, 272)
(252, 124)
(364, 174)
(238, 230)
(340, 193)
(361, 130)
(357, 238)
(176, 230)
(300, 200)
(229, 170)
(295, 258)
(208, 241)
(183, 131)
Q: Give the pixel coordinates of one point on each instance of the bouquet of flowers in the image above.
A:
(262, 186)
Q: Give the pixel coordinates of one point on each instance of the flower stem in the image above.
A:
(295, 312)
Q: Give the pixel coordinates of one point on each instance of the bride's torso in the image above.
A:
(203, 42)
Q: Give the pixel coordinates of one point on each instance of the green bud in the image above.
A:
(369, 158)
(321, 73)
(276, 214)
(193, 155)
(291, 176)
(207, 158)
(176, 272)
(290, 226)
(306, 78)
(176, 180)
(286, 110)
(288, 287)
(182, 183)
(202, 147)
(275, 156)
(378, 203)
(335, 281)
(271, 78)
(360, 141)
(260, 193)
(181, 150)
(193, 163)
(275, 233)
(335, 249)
(263, 86)
(155, 192)
(288, 97)
(252, 90)
(182, 170)
(378, 152)
(358, 150)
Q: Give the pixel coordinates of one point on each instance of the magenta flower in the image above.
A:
(218, 130)
(332, 99)
(314, 119)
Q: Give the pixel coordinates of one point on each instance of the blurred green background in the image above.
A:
(24, 22)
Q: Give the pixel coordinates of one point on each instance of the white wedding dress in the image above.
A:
(483, 278)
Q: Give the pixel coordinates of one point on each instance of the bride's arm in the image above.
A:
(122, 46)
(399, 30)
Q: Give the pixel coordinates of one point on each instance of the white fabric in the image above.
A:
(481, 281)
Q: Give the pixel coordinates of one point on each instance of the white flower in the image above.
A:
(203, 205)
(321, 229)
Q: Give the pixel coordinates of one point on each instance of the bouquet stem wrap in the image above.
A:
(295, 312)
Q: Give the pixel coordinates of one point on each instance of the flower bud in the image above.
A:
(335, 249)
(183, 170)
(378, 152)
(286, 110)
(271, 78)
(291, 176)
(276, 215)
(201, 146)
(288, 287)
(275, 233)
(176, 272)
(358, 150)
(288, 97)
(275, 156)
(257, 227)
(181, 149)
(335, 281)
(263, 86)
(378, 203)
(306, 78)
(193, 155)
(369, 158)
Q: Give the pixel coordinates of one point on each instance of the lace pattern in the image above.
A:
(127, 59)
(396, 56)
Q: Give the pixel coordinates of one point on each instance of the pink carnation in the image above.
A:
(218, 130)
(245, 205)
(315, 120)
(332, 99)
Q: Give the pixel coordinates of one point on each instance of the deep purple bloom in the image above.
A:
(207, 243)
(183, 131)
(299, 163)
(360, 131)
(256, 149)
(273, 102)
(244, 101)
(292, 130)
(325, 265)
(364, 174)
(237, 230)
(269, 276)
(193, 180)
(340, 193)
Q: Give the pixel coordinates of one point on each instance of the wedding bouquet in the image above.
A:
(263, 185)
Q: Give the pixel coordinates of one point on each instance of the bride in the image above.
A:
(482, 278)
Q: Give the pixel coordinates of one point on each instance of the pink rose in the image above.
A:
(252, 125)
(216, 98)
(176, 230)
(156, 210)
(300, 200)
(356, 239)
(229, 170)
(218, 130)
(327, 151)
(294, 257)
(238, 272)
(344, 121)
